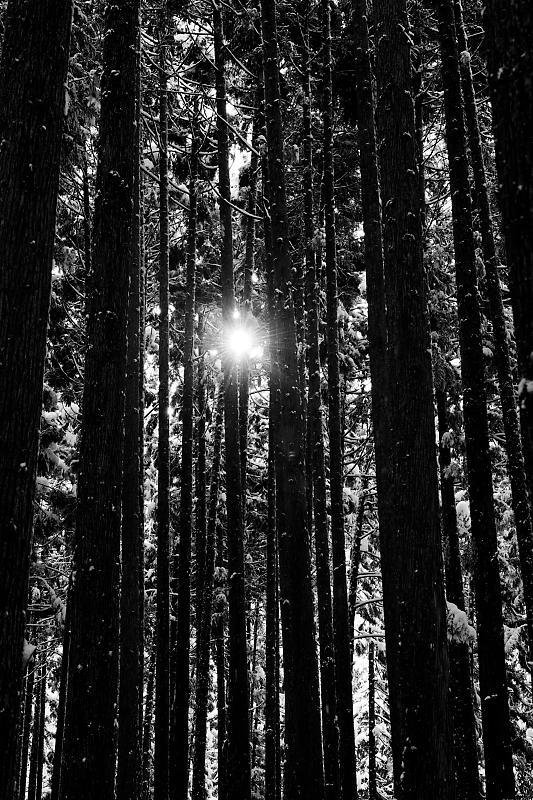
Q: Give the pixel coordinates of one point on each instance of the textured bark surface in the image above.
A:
(272, 654)
(162, 642)
(343, 666)
(132, 550)
(181, 657)
(26, 729)
(90, 731)
(513, 443)
(204, 642)
(55, 783)
(491, 653)
(411, 560)
(32, 76)
(317, 467)
(372, 765)
(304, 777)
(238, 776)
(509, 27)
(467, 782)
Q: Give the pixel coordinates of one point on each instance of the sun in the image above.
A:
(240, 343)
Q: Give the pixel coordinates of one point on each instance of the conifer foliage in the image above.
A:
(265, 400)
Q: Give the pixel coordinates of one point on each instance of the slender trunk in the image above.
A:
(249, 260)
(509, 26)
(377, 322)
(513, 444)
(411, 558)
(355, 562)
(220, 659)
(91, 733)
(33, 71)
(55, 786)
(253, 664)
(35, 783)
(467, 783)
(272, 781)
(132, 590)
(200, 512)
(25, 746)
(343, 668)
(180, 759)
(238, 778)
(162, 637)
(304, 774)
(491, 652)
(372, 766)
(204, 642)
(147, 730)
(315, 450)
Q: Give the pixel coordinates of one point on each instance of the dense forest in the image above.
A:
(266, 399)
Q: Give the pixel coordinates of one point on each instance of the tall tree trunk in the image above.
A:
(513, 444)
(509, 26)
(372, 766)
(238, 778)
(55, 783)
(132, 588)
(304, 775)
(377, 322)
(200, 513)
(272, 728)
(249, 260)
(271, 639)
(204, 632)
(220, 659)
(147, 729)
(467, 783)
(180, 759)
(33, 71)
(26, 728)
(35, 783)
(343, 668)
(162, 641)
(315, 450)
(355, 562)
(411, 559)
(91, 734)
(491, 652)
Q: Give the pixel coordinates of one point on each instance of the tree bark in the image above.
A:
(238, 777)
(25, 744)
(91, 735)
(55, 784)
(204, 641)
(315, 450)
(343, 668)
(220, 659)
(272, 728)
(132, 575)
(411, 559)
(33, 72)
(147, 729)
(511, 425)
(180, 759)
(304, 775)
(467, 783)
(491, 653)
(355, 562)
(509, 28)
(200, 512)
(162, 640)
(35, 782)
(372, 766)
